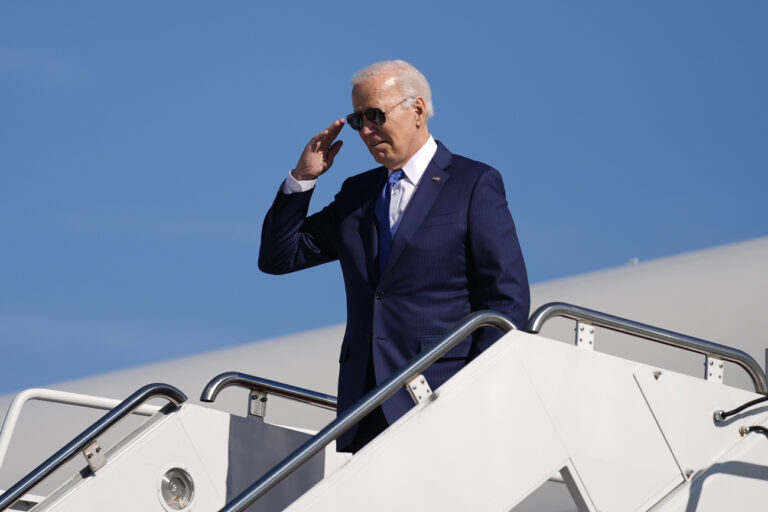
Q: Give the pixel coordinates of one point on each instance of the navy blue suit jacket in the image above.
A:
(454, 252)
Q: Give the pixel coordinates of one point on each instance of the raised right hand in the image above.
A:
(319, 153)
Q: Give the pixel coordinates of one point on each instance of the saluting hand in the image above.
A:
(319, 153)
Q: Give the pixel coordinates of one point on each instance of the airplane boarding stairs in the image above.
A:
(620, 435)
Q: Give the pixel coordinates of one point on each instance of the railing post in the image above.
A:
(259, 388)
(364, 406)
(172, 394)
(651, 333)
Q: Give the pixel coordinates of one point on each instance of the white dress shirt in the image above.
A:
(402, 191)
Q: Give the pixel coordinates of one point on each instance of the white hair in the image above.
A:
(409, 79)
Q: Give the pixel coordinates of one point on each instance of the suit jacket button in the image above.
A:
(379, 295)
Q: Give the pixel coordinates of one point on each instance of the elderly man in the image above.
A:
(423, 240)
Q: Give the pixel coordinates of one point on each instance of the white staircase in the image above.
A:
(620, 435)
(624, 435)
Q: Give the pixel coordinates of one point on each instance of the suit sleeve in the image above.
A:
(498, 278)
(291, 241)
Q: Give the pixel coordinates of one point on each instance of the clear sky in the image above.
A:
(142, 142)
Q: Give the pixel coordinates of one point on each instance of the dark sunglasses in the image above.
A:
(374, 115)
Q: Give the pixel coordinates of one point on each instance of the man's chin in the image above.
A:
(380, 157)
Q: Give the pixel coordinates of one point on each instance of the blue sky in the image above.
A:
(141, 144)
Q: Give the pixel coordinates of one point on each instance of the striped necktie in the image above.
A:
(382, 217)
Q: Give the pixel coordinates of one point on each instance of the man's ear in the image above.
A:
(420, 109)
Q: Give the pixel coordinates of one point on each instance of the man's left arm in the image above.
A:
(499, 280)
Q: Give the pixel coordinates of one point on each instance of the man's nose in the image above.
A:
(368, 127)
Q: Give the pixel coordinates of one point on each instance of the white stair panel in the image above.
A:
(484, 443)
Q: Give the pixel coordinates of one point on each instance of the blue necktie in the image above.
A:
(382, 218)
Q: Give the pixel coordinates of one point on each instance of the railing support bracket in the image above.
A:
(713, 369)
(94, 456)
(585, 335)
(419, 389)
(257, 404)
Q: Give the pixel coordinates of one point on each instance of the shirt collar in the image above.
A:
(415, 167)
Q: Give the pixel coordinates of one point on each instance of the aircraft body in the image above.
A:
(717, 294)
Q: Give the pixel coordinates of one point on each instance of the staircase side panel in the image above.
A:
(603, 421)
(484, 443)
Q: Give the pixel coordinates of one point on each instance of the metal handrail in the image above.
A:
(224, 380)
(648, 332)
(103, 424)
(58, 397)
(365, 405)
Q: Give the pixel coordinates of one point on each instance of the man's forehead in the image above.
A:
(389, 81)
(377, 86)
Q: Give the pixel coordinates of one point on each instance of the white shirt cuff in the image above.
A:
(291, 185)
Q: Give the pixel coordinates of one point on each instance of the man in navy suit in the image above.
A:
(423, 241)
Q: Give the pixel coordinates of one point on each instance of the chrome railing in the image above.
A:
(261, 387)
(364, 406)
(106, 422)
(648, 332)
(59, 397)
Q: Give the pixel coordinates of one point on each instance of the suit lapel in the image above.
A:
(369, 232)
(432, 182)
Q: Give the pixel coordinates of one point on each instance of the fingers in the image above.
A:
(333, 151)
(324, 139)
(335, 128)
(319, 153)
